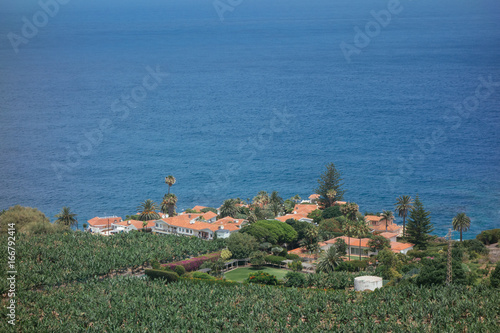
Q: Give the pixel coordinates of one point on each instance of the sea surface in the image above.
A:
(250, 95)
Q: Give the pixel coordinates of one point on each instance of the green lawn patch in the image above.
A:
(240, 274)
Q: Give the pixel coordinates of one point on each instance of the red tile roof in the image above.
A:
(388, 235)
(314, 196)
(303, 253)
(391, 228)
(103, 221)
(304, 208)
(209, 215)
(199, 208)
(398, 247)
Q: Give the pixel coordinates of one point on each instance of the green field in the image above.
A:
(240, 274)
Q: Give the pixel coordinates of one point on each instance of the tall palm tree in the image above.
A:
(348, 229)
(350, 211)
(461, 222)
(169, 180)
(360, 230)
(169, 204)
(403, 205)
(66, 217)
(328, 260)
(148, 211)
(229, 208)
(387, 216)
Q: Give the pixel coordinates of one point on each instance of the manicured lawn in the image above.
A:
(240, 274)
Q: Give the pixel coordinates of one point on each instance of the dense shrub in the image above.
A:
(352, 266)
(194, 264)
(473, 245)
(293, 256)
(295, 279)
(433, 272)
(161, 274)
(261, 277)
(274, 260)
(180, 270)
(296, 265)
(489, 236)
(201, 275)
(457, 253)
(495, 277)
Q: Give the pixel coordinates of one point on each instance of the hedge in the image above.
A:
(193, 264)
(275, 260)
(161, 274)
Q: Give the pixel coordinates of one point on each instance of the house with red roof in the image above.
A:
(313, 198)
(102, 224)
(129, 225)
(378, 224)
(191, 225)
(354, 248)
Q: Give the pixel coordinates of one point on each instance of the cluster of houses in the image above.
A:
(208, 226)
(201, 225)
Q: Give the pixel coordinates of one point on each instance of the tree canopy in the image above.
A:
(419, 225)
(22, 217)
(241, 245)
(272, 231)
(330, 186)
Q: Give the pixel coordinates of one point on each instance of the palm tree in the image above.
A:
(387, 216)
(296, 198)
(348, 229)
(328, 260)
(66, 217)
(229, 208)
(330, 194)
(403, 205)
(360, 230)
(169, 180)
(261, 199)
(148, 211)
(350, 210)
(144, 225)
(461, 222)
(168, 204)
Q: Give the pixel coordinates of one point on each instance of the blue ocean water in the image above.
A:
(261, 99)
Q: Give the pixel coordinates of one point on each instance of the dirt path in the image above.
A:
(494, 253)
